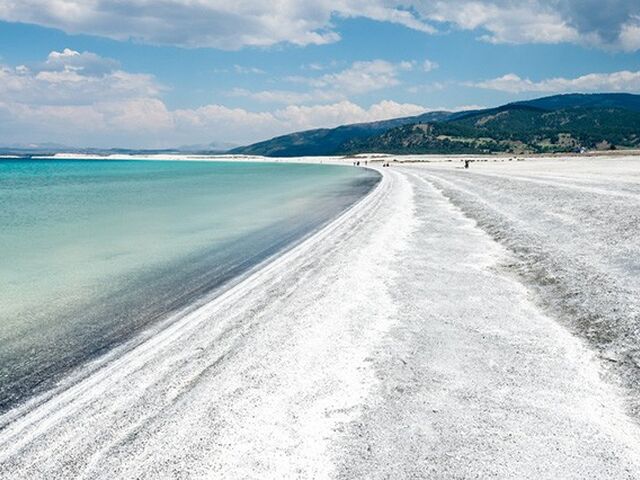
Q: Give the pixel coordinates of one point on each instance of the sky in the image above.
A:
(169, 73)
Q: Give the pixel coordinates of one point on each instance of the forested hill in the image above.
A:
(514, 129)
(328, 141)
(559, 123)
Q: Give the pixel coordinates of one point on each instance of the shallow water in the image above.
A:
(93, 252)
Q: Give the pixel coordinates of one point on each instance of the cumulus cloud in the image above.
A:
(345, 112)
(233, 123)
(238, 125)
(212, 23)
(85, 63)
(630, 35)
(608, 24)
(361, 77)
(231, 25)
(623, 81)
(73, 94)
(71, 77)
(299, 116)
(287, 97)
(505, 21)
(84, 99)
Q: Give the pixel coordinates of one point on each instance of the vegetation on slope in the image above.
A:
(559, 123)
(513, 129)
(329, 141)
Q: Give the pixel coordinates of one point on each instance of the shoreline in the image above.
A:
(372, 158)
(394, 340)
(95, 362)
(209, 300)
(29, 427)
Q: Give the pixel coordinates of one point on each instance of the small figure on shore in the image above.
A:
(466, 164)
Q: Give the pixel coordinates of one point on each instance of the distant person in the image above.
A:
(466, 164)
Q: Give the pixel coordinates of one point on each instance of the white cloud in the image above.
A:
(85, 63)
(73, 94)
(212, 23)
(71, 77)
(137, 115)
(133, 122)
(361, 77)
(505, 21)
(287, 97)
(86, 100)
(623, 81)
(234, 124)
(607, 24)
(630, 36)
(429, 66)
(232, 25)
(248, 70)
(345, 112)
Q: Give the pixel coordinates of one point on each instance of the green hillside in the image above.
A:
(329, 141)
(512, 129)
(559, 123)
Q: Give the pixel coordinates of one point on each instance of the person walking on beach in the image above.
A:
(466, 164)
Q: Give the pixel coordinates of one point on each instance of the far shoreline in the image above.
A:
(370, 158)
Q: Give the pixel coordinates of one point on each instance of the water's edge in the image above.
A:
(167, 315)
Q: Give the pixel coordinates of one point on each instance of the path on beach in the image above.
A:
(394, 344)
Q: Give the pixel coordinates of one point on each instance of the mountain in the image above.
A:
(550, 124)
(625, 101)
(515, 128)
(328, 141)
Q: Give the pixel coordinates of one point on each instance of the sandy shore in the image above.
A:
(398, 342)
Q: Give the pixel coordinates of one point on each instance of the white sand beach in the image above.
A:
(438, 329)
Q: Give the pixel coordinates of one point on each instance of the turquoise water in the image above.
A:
(93, 252)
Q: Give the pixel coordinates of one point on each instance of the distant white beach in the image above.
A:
(372, 158)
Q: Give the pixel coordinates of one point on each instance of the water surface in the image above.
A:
(93, 252)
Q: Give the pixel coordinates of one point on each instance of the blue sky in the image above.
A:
(129, 74)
